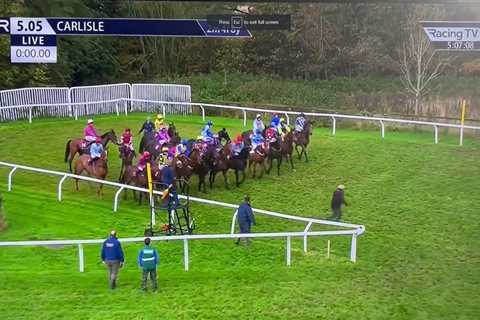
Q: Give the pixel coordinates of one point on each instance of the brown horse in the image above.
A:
(200, 167)
(98, 170)
(183, 168)
(273, 151)
(237, 163)
(257, 158)
(131, 177)
(75, 146)
(219, 164)
(286, 147)
(127, 155)
(302, 139)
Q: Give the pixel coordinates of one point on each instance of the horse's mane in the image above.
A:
(108, 132)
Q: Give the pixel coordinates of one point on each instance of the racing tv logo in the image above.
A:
(4, 25)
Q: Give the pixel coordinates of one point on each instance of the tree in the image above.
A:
(420, 65)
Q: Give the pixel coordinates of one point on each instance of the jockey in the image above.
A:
(181, 148)
(207, 133)
(283, 128)
(162, 160)
(300, 122)
(257, 140)
(159, 123)
(90, 134)
(142, 162)
(96, 150)
(147, 126)
(275, 121)
(271, 134)
(162, 136)
(126, 140)
(237, 146)
(258, 124)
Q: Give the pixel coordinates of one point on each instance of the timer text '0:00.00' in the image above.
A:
(33, 53)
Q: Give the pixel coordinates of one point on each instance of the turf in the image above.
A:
(419, 258)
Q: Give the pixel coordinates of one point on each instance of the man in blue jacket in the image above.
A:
(148, 260)
(112, 256)
(245, 218)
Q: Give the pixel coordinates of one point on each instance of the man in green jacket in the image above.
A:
(148, 260)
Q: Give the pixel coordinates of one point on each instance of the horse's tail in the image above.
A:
(67, 150)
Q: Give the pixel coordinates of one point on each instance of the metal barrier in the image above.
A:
(332, 116)
(355, 229)
(162, 92)
(98, 98)
(186, 260)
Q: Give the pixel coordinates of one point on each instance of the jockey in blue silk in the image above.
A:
(207, 133)
(96, 150)
(275, 121)
(181, 149)
(300, 122)
(258, 124)
(257, 140)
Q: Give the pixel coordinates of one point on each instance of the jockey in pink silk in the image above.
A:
(89, 133)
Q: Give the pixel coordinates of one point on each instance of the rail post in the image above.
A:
(115, 200)
(334, 126)
(305, 236)
(244, 117)
(289, 253)
(30, 114)
(10, 176)
(383, 128)
(185, 254)
(232, 229)
(163, 110)
(76, 112)
(353, 250)
(59, 188)
(328, 249)
(125, 106)
(288, 119)
(81, 258)
(203, 112)
(436, 134)
(117, 109)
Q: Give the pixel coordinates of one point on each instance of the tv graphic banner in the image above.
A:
(453, 35)
(33, 40)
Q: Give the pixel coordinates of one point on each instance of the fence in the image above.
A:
(333, 116)
(29, 103)
(354, 229)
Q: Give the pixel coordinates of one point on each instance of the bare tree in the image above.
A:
(419, 63)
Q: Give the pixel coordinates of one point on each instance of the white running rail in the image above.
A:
(353, 229)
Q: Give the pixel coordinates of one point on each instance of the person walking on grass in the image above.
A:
(338, 199)
(245, 218)
(112, 257)
(148, 260)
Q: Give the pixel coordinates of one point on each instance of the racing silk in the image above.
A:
(180, 149)
(270, 133)
(258, 125)
(148, 258)
(96, 150)
(162, 136)
(257, 140)
(159, 124)
(142, 162)
(299, 124)
(207, 134)
(275, 122)
(148, 127)
(283, 126)
(126, 138)
(90, 133)
(237, 148)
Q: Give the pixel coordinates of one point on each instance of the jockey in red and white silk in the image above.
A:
(127, 140)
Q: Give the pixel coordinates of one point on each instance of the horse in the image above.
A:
(200, 166)
(237, 163)
(182, 166)
(146, 140)
(302, 139)
(258, 158)
(75, 146)
(173, 134)
(98, 170)
(273, 151)
(218, 164)
(131, 177)
(286, 147)
(127, 155)
(223, 135)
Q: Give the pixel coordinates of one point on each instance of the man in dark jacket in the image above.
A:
(148, 260)
(338, 199)
(112, 256)
(245, 218)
